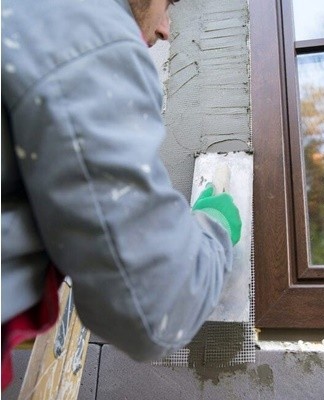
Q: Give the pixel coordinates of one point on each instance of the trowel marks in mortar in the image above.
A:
(233, 173)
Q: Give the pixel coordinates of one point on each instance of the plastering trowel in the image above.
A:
(232, 173)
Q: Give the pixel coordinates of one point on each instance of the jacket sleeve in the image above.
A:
(146, 271)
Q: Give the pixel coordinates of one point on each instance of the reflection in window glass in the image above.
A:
(311, 87)
(309, 19)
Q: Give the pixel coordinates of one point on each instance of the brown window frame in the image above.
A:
(293, 48)
(289, 291)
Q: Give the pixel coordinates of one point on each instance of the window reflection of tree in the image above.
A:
(312, 115)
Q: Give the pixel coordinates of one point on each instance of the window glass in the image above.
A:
(311, 89)
(309, 19)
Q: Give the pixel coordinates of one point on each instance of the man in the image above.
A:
(83, 185)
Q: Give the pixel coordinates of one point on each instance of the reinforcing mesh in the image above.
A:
(220, 344)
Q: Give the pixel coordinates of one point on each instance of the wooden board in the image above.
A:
(55, 366)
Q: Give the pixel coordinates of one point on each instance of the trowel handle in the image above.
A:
(221, 178)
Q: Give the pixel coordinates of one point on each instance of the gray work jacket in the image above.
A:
(84, 186)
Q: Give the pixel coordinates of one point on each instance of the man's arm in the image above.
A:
(146, 274)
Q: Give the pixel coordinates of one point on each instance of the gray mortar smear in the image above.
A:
(310, 361)
(211, 351)
(208, 95)
(265, 375)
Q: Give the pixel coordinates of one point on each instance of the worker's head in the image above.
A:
(152, 17)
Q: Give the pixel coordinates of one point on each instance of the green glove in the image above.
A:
(220, 208)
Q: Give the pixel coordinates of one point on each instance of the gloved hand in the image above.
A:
(220, 208)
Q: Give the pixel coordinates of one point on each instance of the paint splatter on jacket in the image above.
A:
(84, 186)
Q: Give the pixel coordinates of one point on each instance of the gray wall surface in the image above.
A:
(110, 375)
(208, 99)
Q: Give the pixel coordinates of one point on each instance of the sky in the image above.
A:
(309, 24)
(309, 19)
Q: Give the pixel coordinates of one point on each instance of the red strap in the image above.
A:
(29, 324)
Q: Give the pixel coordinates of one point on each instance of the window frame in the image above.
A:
(289, 292)
(292, 48)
